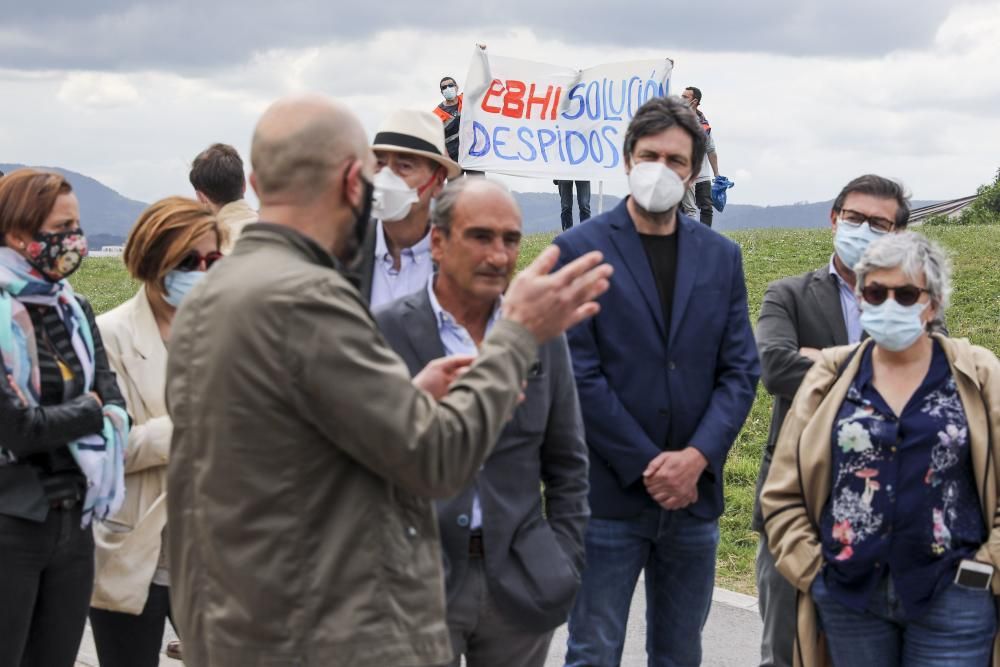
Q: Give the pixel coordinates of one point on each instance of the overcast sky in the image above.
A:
(802, 94)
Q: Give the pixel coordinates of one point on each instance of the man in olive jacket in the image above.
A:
(303, 458)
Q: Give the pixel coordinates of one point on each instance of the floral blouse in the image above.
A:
(903, 499)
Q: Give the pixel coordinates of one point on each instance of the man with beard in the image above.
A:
(666, 376)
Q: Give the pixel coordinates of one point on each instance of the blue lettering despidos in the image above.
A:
(598, 146)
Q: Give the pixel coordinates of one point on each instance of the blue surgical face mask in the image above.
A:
(851, 241)
(179, 283)
(892, 326)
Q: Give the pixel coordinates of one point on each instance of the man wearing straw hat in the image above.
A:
(395, 259)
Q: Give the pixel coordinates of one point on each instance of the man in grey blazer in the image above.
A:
(512, 562)
(801, 315)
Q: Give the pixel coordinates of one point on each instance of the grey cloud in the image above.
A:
(197, 35)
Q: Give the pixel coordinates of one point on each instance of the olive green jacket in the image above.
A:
(304, 462)
(798, 486)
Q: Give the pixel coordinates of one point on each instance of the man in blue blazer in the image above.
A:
(666, 375)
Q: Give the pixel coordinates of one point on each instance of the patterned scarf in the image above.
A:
(101, 456)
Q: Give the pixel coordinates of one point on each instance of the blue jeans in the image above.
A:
(677, 552)
(566, 201)
(956, 630)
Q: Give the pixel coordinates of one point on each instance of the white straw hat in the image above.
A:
(418, 133)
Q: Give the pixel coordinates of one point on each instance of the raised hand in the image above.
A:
(549, 303)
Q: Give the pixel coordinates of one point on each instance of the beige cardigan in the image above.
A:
(798, 484)
(129, 545)
(234, 216)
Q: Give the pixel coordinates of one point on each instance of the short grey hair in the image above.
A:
(444, 204)
(917, 256)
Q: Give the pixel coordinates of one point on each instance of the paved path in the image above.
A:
(731, 639)
(732, 636)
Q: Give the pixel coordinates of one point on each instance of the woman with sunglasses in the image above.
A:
(62, 425)
(881, 503)
(170, 248)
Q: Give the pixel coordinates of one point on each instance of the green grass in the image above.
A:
(105, 282)
(767, 255)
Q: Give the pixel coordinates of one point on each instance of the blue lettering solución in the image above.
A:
(610, 100)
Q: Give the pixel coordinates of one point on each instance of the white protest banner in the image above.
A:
(532, 119)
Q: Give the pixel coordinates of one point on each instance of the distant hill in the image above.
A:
(106, 216)
(541, 213)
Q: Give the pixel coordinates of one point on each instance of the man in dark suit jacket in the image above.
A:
(666, 375)
(800, 316)
(512, 565)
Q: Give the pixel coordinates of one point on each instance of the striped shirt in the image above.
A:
(62, 378)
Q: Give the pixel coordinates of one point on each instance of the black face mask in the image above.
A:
(57, 254)
(361, 219)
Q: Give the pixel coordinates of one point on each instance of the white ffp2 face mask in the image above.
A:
(393, 198)
(655, 187)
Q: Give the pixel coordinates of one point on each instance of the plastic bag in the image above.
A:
(719, 186)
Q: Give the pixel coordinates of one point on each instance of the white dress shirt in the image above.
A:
(849, 306)
(415, 269)
(456, 340)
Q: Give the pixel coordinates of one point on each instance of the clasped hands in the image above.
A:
(671, 478)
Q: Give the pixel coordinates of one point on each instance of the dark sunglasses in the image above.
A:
(905, 295)
(194, 260)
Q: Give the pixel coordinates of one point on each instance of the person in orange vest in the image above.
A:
(450, 113)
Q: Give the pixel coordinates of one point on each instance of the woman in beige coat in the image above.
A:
(881, 502)
(172, 245)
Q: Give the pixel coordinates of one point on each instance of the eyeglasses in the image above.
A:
(449, 85)
(905, 295)
(194, 260)
(878, 224)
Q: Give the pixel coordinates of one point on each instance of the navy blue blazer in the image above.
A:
(643, 389)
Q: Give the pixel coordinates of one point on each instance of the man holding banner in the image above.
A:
(450, 113)
(666, 374)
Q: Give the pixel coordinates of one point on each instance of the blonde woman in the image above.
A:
(170, 248)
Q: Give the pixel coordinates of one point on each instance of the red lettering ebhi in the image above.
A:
(513, 101)
(496, 90)
(542, 101)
